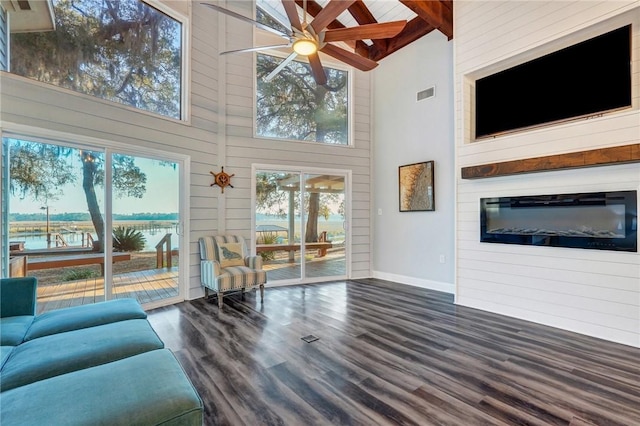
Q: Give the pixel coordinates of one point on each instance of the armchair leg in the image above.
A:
(261, 292)
(220, 300)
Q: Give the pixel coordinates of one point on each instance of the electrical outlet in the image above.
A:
(379, 212)
(442, 259)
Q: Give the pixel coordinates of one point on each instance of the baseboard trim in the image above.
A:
(416, 282)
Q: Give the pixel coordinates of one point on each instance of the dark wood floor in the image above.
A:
(392, 354)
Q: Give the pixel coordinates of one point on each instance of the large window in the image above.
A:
(124, 51)
(293, 106)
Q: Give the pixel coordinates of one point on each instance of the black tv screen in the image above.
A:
(587, 78)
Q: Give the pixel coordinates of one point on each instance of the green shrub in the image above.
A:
(267, 238)
(79, 274)
(128, 239)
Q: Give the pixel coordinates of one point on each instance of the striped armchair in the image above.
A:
(225, 266)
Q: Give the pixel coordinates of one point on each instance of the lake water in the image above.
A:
(153, 237)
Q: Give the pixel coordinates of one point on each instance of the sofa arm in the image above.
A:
(253, 262)
(18, 296)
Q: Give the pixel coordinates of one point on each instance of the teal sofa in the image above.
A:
(100, 364)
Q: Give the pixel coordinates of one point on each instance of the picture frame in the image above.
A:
(416, 187)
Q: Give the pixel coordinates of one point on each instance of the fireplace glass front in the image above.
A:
(600, 220)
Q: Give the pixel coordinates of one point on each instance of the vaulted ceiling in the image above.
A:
(422, 18)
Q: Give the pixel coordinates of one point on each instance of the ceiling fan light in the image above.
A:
(305, 47)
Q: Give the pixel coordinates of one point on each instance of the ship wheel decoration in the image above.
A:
(222, 179)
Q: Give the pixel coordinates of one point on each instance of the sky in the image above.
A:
(161, 195)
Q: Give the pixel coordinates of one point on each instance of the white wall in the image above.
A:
(408, 245)
(588, 291)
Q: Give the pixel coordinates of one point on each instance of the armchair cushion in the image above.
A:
(230, 254)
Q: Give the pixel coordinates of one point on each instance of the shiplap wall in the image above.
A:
(242, 149)
(28, 103)
(220, 132)
(592, 292)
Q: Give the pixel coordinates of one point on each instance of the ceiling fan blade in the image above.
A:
(349, 58)
(329, 13)
(255, 49)
(292, 13)
(281, 66)
(248, 20)
(367, 31)
(316, 69)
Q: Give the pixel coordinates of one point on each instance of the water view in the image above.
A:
(33, 235)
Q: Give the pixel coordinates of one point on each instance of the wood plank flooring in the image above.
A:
(392, 354)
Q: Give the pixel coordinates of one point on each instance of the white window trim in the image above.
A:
(350, 108)
(185, 77)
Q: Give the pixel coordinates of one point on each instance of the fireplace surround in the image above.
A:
(597, 220)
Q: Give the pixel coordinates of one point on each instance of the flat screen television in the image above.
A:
(582, 80)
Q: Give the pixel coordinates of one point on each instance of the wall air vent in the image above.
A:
(426, 93)
(24, 5)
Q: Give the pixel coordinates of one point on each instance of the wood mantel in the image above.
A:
(573, 160)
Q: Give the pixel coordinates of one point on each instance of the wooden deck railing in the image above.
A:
(59, 240)
(89, 238)
(160, 251)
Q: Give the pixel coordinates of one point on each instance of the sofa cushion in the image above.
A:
(62, 353)
(18, 296)
(77, 317)
(146, 389)
(5, 351)
(13, 329)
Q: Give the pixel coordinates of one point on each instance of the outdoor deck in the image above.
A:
(332, 265)
(145, 286)
(156, 284)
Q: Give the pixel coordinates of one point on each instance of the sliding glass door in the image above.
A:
(145, 222)
(91, 224)
(301, 224)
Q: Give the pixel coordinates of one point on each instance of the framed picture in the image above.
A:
(416, 187)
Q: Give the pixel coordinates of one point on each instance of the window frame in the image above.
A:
(326, 61)
(185, 74)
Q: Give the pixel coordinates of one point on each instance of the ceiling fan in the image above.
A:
(308, 38)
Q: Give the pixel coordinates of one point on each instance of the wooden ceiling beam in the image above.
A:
(415, 29)
(363, 16)
(359, 47)
(435, 13)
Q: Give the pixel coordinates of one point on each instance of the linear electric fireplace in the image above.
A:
(599, 220)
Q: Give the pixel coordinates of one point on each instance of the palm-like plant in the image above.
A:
(128, 239)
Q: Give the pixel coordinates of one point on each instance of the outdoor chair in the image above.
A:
(226, 266)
